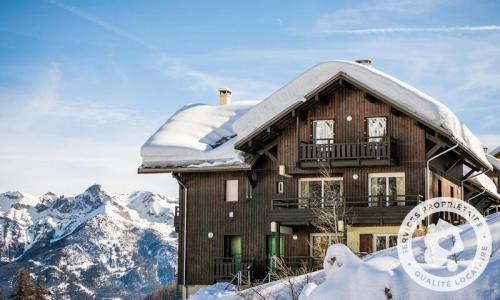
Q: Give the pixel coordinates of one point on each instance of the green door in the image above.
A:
(272, 250)
(235, 246)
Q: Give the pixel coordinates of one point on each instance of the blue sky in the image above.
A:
(84, 83)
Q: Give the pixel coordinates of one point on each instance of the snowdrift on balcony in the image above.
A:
(401, 94)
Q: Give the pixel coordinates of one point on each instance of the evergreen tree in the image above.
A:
(23, 288)
(41, 292)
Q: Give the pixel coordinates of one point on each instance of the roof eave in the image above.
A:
(159, 170)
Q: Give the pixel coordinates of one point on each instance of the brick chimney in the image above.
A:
(224, 96)
(366, 62)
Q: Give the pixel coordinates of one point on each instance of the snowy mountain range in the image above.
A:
(93, 245)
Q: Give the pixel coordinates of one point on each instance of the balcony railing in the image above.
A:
(369, 151)
(363, 209)
(225, 268)
(303, 263)
(346, 201)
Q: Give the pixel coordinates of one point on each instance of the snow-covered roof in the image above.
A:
(495, 162)
(397, 92)
(495, 151)
(485, 182)
(197, 135)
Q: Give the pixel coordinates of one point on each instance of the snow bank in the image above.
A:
(193, 137)
(398, 92)
(380, 275)
(378, 283)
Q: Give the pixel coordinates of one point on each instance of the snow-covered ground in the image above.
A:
(378, 276)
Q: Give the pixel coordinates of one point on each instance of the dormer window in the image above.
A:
(323, 131)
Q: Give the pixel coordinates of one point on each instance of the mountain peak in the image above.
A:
(95, 189)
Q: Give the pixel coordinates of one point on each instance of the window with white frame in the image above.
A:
(319, 243)
(232, 190)
(386, 189)
(376, 128)
(323, 131)
(317, 191)
(384, 241)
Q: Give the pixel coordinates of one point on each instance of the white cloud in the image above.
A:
(195, 80)
(370, 13)
(416, 29)
(46, 100)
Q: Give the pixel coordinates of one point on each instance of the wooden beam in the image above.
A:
(451, 166)
(268, 147)
(436, 139)
(371, 98)
(252, 177)
(433, 151)
(271, 157)
(272, 131)
(468, 174)
(395, 111)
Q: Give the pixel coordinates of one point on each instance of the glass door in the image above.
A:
(376, 129)
(318, 192)
(386, 189)
(232, 247)
(323, 131)
(319, 243)
(272, 250)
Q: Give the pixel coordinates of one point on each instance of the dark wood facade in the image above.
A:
(348, 106)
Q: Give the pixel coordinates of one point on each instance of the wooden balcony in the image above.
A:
(225, 268)
(374, 151)
(303, 263)
(357, 210)
(177, 219)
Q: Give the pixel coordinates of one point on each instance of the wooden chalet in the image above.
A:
(341, 131)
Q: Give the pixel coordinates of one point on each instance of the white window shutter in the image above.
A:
(231, 190)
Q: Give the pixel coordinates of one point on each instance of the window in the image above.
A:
(320, 241)
(384, 241)
(231, 190)
(279, 187)
(440, 188)
(386, 189)
(316, 192)
(323, 131)
(452, 192)
(376, 129)
(248, 189)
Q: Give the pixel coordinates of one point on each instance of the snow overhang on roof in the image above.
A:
(495, 151)
(401, 95)
(495, 162)
(485, 183)
(197, 137)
